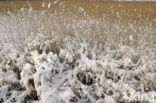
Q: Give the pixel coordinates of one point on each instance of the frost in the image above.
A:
(70, 60)
(43, 5)
(109, 99)
(49, 5)
(81, 9)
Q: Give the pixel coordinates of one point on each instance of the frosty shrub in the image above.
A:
(60, 58)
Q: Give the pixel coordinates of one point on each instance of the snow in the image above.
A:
(56, 81)
(48, 69)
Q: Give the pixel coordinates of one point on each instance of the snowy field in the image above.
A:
(65, 59)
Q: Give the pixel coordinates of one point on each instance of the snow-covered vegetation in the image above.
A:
(59, 58)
